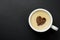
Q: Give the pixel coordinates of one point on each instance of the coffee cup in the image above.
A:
(47, 27)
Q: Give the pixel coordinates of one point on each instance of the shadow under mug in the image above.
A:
(50, 26)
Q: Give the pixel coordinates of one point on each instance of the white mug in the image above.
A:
(50, 26)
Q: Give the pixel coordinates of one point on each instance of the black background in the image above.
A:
(14, 19)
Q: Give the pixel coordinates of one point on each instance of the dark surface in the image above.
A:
(14, 19)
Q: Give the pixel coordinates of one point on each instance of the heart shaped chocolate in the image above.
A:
(40, 20)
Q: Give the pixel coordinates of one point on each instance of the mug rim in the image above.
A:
(33, 13)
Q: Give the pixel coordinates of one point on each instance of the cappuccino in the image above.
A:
(40, 20)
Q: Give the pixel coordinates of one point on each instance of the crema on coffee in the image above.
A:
(43, 20)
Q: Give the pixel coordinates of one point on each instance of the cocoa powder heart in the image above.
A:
(40, 20)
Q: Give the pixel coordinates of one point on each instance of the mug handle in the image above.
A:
(54, 28)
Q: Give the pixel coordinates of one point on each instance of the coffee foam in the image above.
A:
(42, 14)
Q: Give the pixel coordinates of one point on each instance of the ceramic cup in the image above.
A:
(50, 26)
